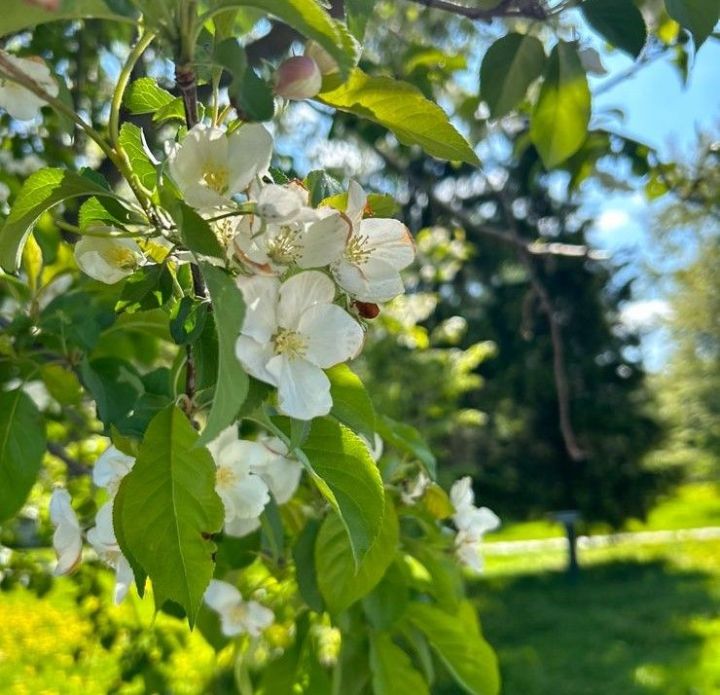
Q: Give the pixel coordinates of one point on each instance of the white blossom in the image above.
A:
(103, 540)
(107, 259)
(376, 252)
(414, 491)
(19, 101)
(210, 167)
(286, 231)
(472, 523)
(291, 332)
(280, 473)
(110, 468)
(237, 616)
(67, 539)
(243, 493)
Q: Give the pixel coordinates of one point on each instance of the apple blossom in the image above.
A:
(103, 540)
(472, 523)
(19, 101)
(107, 259)
(280, 473)
(292, 331)
(376, 252)
(243, 493)
(110, 468)
(237, 616)
(414, 490)
(210, 166)
(298, 77)
(285, 231)
(67, 539)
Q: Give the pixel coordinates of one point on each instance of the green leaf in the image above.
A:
(348, 477)
(392, 670)
(18, 14)
(386, 603)
(146, 96)
(232, 383)
(619, 22)
(509, 67)
(196, 233)
(187, 320)
(351, 403)
(321, 185)
(132, 139)
(357, 14)
(173, 111)
(304, 557)
(168, 510)
(105, 212)
(457, 641)
(406, 438)
(559, 122)
(699, 17)
(308, 18)
(62, 383)
(41, 191)
(22, 445)
(402, 108)
(339, 581)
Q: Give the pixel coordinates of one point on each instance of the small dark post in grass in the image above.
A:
(569, 518)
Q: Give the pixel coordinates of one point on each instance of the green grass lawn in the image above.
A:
(642, 620)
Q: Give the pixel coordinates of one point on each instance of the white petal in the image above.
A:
(476, 522)
(254, 357)
(110, 468)
(261, 297)
(257, 618)
(324, 241)
(226, 438)
(250, 151)
(389, 241)
(333, 335)
(123, 579)
(462, 495)
(220, 595)
(246, 499)
(281, 474)
(67, 539)
(277, 204)
(374, 281)
(19, 102)
(356, 202)
(299, 293)
(237, 528)
(107, 259)
(303, 388)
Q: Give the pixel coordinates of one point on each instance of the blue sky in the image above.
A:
(666, 114)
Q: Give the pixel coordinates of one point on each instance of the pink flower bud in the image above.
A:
(298, 78)
(325, 61)
(50, 5)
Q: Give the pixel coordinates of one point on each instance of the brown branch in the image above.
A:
(532, 9)
(75, 468)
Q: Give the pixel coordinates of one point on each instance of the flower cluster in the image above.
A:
(300, 269)
(472, 524)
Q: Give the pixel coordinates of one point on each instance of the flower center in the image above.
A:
(120, 257)
(284, 248)
(290, 343)
(357, 251)
(238, 613)
(216, 177)
(225, 477)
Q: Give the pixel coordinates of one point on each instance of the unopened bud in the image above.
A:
(298, 78)
(324, 60)
(367, 310)
(50, 5)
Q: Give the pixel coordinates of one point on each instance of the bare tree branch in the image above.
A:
(532, 9)
(75, 468)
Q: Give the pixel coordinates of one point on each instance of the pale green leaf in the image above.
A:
(168, 510)
(146, 96)
(509, 67)
(618, 21)
(22, 445)
(456, 639)
(401, 108)
(196, 232)
(348, 477)
(406, 438)
(559, 122)
(357, 14)
(232, 383)
(392, 670)
(699, 17)
(132, 140)
(17, 15)
(351, 403)
(41, 191)
(340, 583)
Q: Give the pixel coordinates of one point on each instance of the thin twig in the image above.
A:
(506, 8)
(75, 468)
